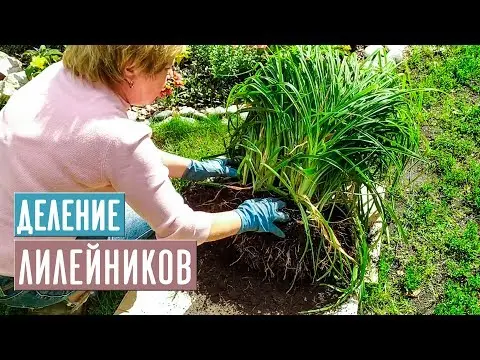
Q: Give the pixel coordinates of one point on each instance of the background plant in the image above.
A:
(321, 126)
(18, 50)
(210, 71)
(40, 58)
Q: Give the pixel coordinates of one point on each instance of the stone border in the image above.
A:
(12, 75)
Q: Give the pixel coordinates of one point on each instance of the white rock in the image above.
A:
(220, 110)
(199, 115)
(132, 115)
(20, 77)
(215, 111)
(163, 114)
(371, 49)
(9, 65)
(395, 55)
(232, 109)
(186, 111)
(396, 47)
(350, 307)
(12, 82)
(160, 303)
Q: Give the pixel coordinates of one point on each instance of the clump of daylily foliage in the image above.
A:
(322, 126)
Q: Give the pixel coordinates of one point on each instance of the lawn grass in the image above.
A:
(436, 269)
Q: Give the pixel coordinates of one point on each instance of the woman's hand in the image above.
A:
(256, 215)
(260, 214)
(201, 170)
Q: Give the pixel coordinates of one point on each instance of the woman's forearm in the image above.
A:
(224, 225)
(176, 165)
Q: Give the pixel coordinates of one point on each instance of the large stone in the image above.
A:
(132, 115)
(186, 111)
(371, 49)
(396, 52)
(395, 55)
(9, 65)
(232, 109)
(216, 111)
(162, 115)
(396, 47)
(12, 82)
(220, 110)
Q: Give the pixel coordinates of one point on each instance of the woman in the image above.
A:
(67, 130)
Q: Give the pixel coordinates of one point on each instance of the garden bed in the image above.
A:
(257, 273)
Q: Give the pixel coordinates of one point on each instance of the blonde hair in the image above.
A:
(106, 63)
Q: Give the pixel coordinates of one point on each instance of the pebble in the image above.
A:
(186, 111)
(395, 55)
(132, 115)
(163, 114)
(396, 47)
(220, 110)
(371, 49)
(232, 109)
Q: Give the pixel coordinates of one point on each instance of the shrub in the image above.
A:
(210, 72)
(40, 59)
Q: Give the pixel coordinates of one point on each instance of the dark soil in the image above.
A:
(256, 272)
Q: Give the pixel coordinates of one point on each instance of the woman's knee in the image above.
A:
(29, 299)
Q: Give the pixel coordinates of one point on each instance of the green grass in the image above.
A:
(203, 138)
(436, 269)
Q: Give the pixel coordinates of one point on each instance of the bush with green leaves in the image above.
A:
(210, 72)
(18, 51)
(321, 125)
(40, 58)
(230, 60)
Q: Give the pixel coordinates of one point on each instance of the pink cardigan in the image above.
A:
(58, 133)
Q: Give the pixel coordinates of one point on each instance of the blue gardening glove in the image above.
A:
(259, 214)
(201, 170)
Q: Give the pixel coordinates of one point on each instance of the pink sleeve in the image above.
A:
(133, 166)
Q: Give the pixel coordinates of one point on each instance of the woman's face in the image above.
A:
(140, 89)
